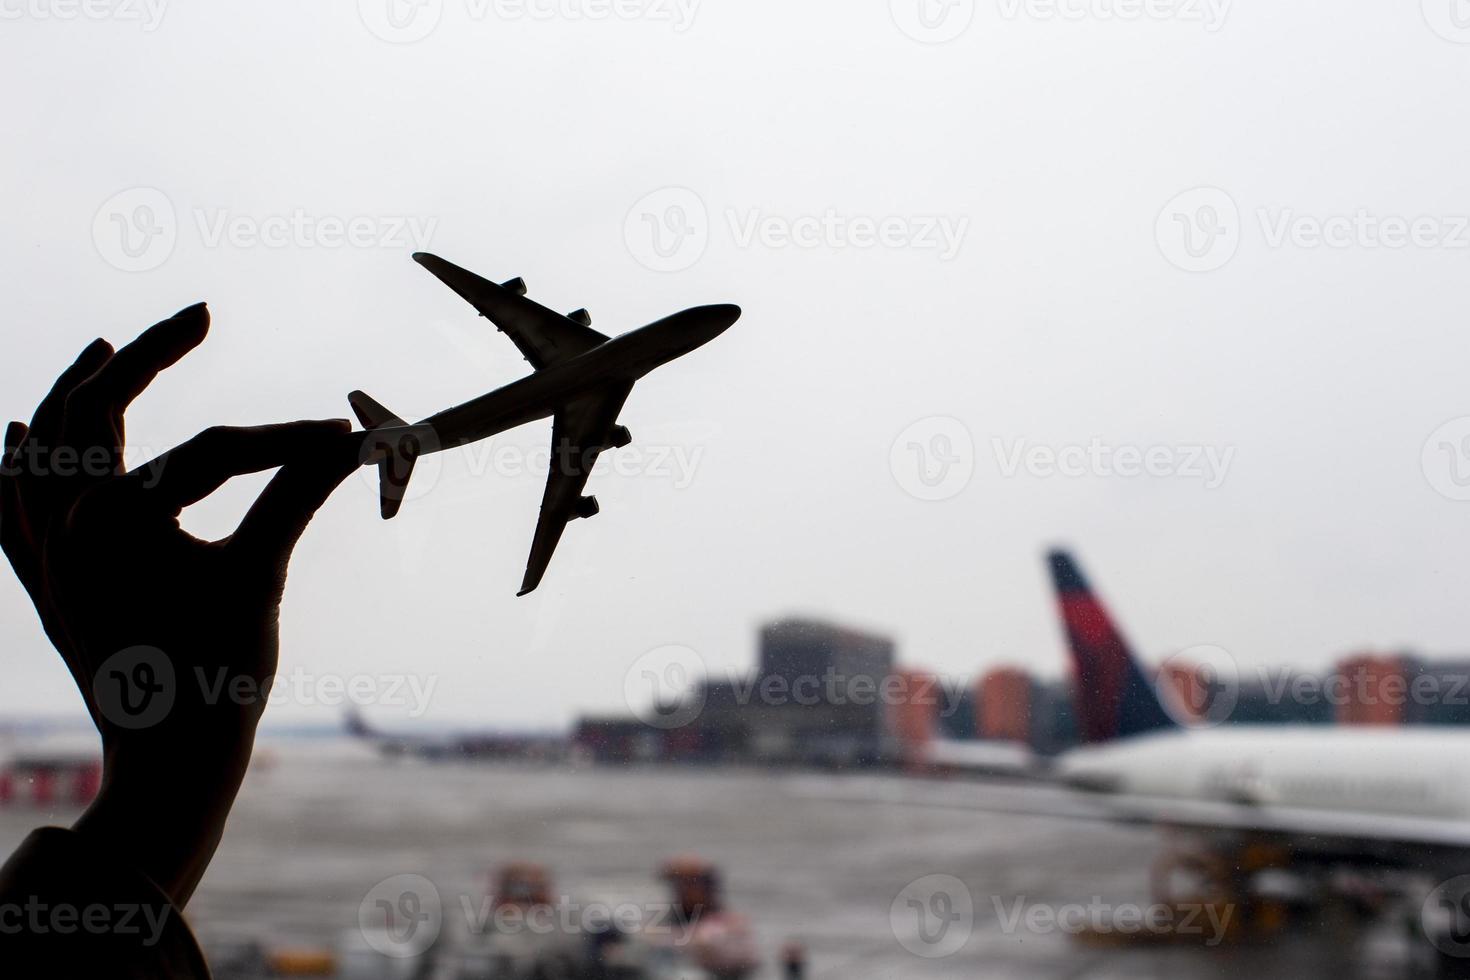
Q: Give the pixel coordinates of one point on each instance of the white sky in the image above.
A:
(526, 141)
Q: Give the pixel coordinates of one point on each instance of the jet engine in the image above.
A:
(587, 507)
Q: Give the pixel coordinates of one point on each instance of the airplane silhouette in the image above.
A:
(581, 377)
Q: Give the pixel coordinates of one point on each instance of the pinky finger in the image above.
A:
(15, 434)
(15, 539)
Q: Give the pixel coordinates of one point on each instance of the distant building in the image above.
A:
(1438, 691)
(1005, 696)
(618, 741)
(818, 697)
(1282, 697)
(1369, 689)
(959, 713)
(796, 649)
(913, 713)
(1053, 717)
(725, 726)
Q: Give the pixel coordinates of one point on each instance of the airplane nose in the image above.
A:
(715, 320)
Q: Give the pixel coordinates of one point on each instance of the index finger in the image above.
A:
(132, 369)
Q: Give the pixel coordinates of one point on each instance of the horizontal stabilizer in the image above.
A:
(397, 451)
(371, 414)
(393, 475)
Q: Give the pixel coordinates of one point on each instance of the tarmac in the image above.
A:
(876, 876)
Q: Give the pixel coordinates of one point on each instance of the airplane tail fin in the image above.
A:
(355, 725)
(1114, 696)
(396, 465)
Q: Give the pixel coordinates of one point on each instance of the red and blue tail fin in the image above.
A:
(1115, 698)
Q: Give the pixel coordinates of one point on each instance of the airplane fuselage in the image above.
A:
(1391, 773)
(622, 360)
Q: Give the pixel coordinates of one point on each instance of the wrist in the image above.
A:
(164, 800)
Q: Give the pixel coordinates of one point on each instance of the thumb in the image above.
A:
(279, 516)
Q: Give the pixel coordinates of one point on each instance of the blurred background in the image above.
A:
(1173, 284)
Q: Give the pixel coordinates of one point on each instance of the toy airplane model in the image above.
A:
(581, 378)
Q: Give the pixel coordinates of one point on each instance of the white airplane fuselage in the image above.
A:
(1393, 772)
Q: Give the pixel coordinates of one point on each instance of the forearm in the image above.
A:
(164, 802)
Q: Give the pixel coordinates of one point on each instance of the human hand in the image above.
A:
(160, 630)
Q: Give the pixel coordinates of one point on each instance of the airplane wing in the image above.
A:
(543, 336)
(581, 430)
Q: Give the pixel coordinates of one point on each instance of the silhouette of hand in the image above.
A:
(171, 640)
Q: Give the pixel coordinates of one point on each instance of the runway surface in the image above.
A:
(879, 877)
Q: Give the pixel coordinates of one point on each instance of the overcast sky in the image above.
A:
(1232, 233)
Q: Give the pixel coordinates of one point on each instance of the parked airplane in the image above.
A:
(1236, 800)
(993, 757)
(458, 746)
(1335, 792)
(581, 378)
